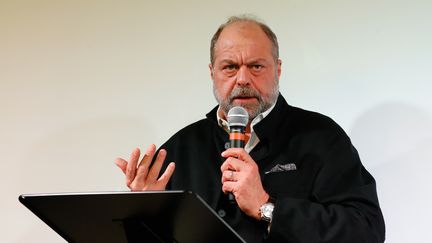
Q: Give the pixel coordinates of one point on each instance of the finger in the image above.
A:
(156, 167)
(143, 166)
(121, 163)
(232, 164)
(229, 175)
(226, 166)
(237, 153)
(146, 161)
(166, 176)
(131, 166)
(231, 152)
(228, 186)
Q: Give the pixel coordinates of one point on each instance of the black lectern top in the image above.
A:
(156, 216)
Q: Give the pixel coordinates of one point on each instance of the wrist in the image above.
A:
(266, 212)
(266, 209)
(264, 199)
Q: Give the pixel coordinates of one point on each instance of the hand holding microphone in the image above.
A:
(240, 173)
(238, 119)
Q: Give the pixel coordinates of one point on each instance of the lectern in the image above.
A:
(157, 216)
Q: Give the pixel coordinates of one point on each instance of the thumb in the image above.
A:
(121, 163)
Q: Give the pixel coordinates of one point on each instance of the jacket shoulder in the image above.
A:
(305, 120)
(196, 131)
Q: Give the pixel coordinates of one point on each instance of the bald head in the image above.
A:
(243, 24)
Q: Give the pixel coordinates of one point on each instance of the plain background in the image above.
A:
(83, 82)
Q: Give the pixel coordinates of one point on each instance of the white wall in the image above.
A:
(82, 82)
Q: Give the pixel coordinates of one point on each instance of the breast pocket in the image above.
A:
(286, 183)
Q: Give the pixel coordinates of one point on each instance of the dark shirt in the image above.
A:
(325, 196)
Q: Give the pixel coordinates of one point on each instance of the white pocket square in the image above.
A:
(280, 168)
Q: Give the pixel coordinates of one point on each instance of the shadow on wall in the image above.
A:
(395, 143)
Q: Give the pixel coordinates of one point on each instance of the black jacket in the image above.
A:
(330, 197)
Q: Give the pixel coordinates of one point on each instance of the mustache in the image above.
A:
(244, 92)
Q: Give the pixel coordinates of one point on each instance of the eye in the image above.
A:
(230, 67)
(256, 67)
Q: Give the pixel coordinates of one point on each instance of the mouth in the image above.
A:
(244, 99)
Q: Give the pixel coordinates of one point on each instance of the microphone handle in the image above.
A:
(237, 140)
(237, 137)
(231, 198)
(237, 143)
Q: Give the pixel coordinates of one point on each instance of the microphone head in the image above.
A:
(238, 116)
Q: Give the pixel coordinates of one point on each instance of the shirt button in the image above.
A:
(227, 145)
(221, 213)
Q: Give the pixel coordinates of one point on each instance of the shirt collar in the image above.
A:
(224, 124)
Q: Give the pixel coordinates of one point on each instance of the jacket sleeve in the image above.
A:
(342, 205)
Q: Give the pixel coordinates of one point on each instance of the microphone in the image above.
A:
(238, 119)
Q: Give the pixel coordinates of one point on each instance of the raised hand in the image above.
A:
(140, 176)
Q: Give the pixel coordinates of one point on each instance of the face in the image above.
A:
(244, 71)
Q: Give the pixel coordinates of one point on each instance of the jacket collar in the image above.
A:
(266, 129)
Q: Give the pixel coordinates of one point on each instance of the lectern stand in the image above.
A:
(154, 217)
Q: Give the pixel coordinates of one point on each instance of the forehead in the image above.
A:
(243, 38)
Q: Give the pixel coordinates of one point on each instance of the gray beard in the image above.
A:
(253, 109)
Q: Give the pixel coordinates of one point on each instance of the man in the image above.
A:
(298, 179)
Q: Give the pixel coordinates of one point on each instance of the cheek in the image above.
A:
(222, 90)
(266, 85)
(223, 86)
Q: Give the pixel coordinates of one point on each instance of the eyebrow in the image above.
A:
(253, 61)
(229, 61)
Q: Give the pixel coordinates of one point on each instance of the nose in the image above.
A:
(243, 76)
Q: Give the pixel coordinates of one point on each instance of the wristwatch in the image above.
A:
(266, 211)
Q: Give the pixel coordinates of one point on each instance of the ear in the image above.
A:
(279, 68)
(211, 71)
